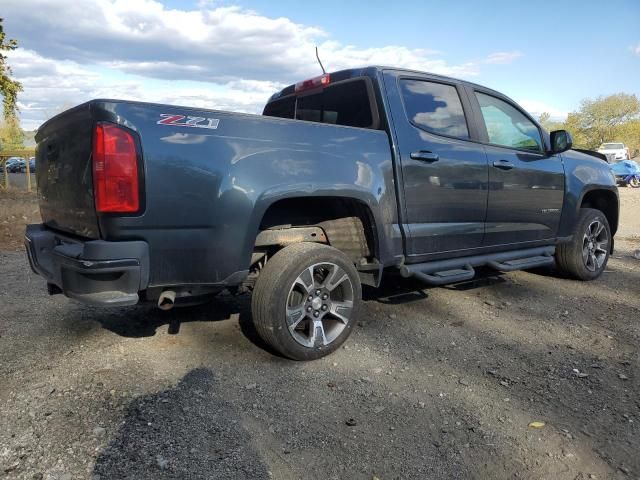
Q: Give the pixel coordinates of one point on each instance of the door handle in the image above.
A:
(503, 164)
(424, 156)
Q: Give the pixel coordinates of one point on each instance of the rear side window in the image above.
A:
(508, 126)
(345, 103)
(284, 108)
(434, 107)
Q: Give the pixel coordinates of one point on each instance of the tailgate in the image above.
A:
(64, 174)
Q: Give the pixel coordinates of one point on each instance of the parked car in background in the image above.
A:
(32, 164)
(614, 151)
(16, 164)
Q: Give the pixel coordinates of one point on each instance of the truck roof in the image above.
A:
(371, 70)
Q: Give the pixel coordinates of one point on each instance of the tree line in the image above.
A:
(612, 118)
(11, 135)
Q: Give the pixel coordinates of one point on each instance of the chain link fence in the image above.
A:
(17, 170)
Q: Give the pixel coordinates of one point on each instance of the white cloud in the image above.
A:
(212, 56)
(535, 108)
(636, 50)
(502, 57)
(51, 86)
(336, 56)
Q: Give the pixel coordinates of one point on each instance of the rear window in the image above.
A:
(345, 103)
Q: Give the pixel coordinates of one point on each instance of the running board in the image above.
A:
(447, 276)
(522, 263)
(441, 272)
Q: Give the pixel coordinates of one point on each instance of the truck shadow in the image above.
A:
(397, 290)
(145, 320)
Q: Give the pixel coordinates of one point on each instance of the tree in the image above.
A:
(544, 118)
(9, 88)
(549, 125)
(602, 119)
(11, 135)
(629, 133)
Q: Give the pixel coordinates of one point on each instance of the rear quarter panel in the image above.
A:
(207, 189)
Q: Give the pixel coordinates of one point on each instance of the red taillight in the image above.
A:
(312, 83)
(115, 170)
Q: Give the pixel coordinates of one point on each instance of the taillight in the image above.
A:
(115, 170)
(313, 83)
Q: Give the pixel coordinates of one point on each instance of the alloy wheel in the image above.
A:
(595, 246)
(319, 304)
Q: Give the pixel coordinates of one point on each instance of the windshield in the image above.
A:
(612, 146)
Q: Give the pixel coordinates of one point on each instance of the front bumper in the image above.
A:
(96, 272)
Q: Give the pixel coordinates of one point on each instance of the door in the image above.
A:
(526, 184)
(443, 188)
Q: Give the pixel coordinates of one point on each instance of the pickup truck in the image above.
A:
(343, 178)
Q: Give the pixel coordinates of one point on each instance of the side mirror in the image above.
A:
(561, 141)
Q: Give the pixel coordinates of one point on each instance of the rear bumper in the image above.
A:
(93, 271)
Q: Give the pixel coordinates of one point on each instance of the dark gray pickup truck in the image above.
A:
(343, 177)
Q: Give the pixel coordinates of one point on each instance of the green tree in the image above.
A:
(9, 88)
(580, 138)
(602, 120)
(550, 125)
(11, 135)
(629, 133)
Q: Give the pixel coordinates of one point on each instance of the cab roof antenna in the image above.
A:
(320, 61)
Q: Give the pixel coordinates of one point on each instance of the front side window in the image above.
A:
(507, 126)
(434, 107)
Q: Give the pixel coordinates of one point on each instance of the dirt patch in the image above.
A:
(17, 209)
(629, 214)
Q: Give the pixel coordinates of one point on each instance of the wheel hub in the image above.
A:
(316, 303)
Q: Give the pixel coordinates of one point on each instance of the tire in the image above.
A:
(286, 294)
(634, 182)
(586, 256)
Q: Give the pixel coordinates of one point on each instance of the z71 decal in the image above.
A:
(188, 121)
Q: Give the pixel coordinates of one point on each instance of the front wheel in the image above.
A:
(305, 300)
(634, 182)
(586, 256)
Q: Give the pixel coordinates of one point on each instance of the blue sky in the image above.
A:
(571, 49)
(232, 55)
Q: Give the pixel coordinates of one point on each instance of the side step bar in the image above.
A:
(441, 272)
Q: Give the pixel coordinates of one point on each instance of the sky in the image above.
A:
(548, 55)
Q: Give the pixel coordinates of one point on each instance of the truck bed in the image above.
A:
(204, 187)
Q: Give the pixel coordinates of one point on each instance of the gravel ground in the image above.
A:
(434, 383)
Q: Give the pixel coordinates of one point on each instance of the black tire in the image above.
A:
(283, 283)
(570, 257)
